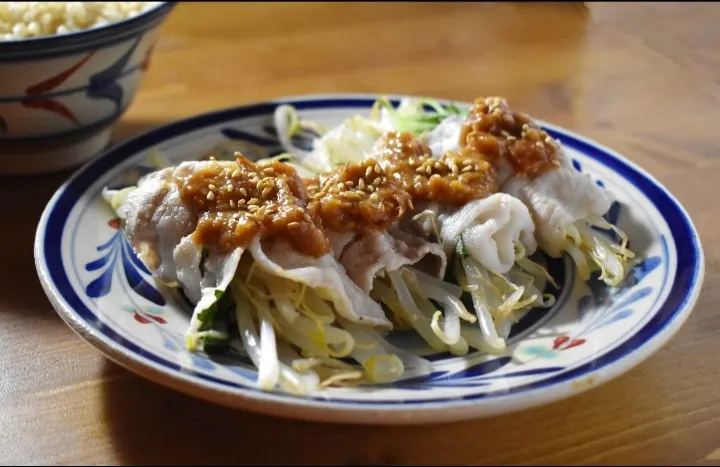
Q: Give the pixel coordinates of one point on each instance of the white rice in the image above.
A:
(22, 20)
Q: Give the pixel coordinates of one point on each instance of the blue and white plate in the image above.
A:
(591, 335)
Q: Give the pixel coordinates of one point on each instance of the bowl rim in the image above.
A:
(54, 45)
(612, 364)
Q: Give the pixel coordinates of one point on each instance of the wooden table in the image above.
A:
(639, 77)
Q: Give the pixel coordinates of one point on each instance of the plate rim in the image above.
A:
(401, 412)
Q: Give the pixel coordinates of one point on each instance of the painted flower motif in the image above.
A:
(35, 94)
(118, 247)
(147, 316)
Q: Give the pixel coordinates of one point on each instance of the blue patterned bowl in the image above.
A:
(591, 335)
(60, 95)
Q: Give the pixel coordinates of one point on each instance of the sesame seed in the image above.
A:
(428, 170)
(254, 201)
(243, 191)
(511, 138)
(266, 192)
(307, 217)
(236, 215)
(374, 197)
(539, 144)
(378, 181)
(368, 171)
(232, 203)
(340, 185)
(269, 171)
(371, 188)
(241, 202)
(334, 190)
(261, 211)
(420, 169)
(377, 168)
(410, 205)
(361, 184)
(435, 177)
(272, 206)
(418, 179)
(236, 173)
(548, 140)
(255, 179)
(349, 184)
(253, 208)
(351, 195)
(312, 187)
(252, 175)
(294, 225)
(412, 162)
(467, 168)
(317, 196)
(361, 194)
(230, 188)
(212, 187)
(508, 118)
(211, 195)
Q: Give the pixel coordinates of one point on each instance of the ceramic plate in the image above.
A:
(591, 335)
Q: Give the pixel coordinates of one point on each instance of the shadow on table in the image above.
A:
(150, 424)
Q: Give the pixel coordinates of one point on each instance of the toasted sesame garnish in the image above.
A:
(378, 169)
(210, 195)
(229, 188)
(232, 203)
(266, 192)
(254, 201)
(294, 225)
(374, 197)
(236, 215)
(212, 187)
(243, 191)
(361, 184)
(368, 171)
(269, 171)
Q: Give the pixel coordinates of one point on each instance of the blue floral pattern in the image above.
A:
(119, 247)
(104, 84)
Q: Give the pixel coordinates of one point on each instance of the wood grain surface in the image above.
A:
(642, 78)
